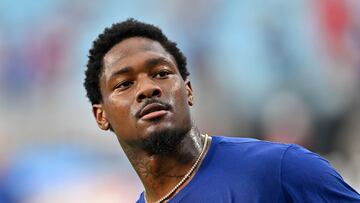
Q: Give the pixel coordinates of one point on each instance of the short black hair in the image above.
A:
(115, 34)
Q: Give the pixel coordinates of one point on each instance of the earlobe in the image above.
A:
(191, 100)
(189, 92)
(100, 117)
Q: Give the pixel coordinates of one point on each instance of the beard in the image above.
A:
(163, 142)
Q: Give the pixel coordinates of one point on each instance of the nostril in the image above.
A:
(156, 92)
(141, 97)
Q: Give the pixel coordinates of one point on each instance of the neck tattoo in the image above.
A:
(187, 176)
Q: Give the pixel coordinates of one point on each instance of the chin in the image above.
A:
(162, 141)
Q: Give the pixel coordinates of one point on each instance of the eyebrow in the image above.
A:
(121, 71)
(150, 63)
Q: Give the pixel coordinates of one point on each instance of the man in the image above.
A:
(137, 82)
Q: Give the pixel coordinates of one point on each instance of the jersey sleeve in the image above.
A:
(307, 177)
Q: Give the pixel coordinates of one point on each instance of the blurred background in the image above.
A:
(286, 71)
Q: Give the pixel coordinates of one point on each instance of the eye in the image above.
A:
(123, 85)
(162, 74)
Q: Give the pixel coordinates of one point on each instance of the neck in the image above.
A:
(160, 173)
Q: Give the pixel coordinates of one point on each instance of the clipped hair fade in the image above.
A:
(112, 36)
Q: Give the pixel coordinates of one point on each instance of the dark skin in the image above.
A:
(135, 70)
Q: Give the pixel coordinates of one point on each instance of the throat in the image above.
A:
(171, 166)
(164, 174)
(160, 174)
(172, 187)
(165, 163)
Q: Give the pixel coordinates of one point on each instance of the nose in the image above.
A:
(147, 89)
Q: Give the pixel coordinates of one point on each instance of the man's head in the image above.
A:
(136, 80)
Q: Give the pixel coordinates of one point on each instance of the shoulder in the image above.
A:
(257, 155)
(251, 146)
(305, 174)
(311, 166)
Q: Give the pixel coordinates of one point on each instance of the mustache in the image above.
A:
(152, 101)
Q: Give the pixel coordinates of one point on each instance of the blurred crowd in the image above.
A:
(284, 71)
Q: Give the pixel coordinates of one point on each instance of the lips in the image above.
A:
(152, 111)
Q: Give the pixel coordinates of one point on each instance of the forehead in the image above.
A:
(133, 46)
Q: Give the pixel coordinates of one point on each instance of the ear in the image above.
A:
(100, 117)
(189, 91)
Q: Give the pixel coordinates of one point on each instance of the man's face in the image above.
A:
(143, 92)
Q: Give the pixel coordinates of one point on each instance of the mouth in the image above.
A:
(153, 111)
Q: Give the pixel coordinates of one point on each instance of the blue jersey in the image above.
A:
(247, 170)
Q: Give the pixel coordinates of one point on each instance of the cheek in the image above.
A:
(118, 111)
(178, 96)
